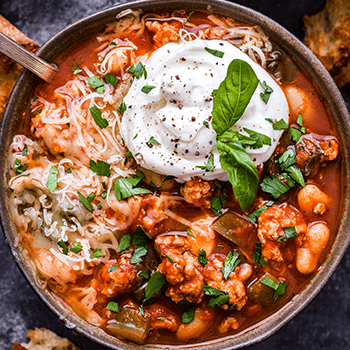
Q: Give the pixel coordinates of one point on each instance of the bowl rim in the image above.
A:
(302, 56)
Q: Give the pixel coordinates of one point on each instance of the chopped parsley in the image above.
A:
(300, 119)
(63, 246)
(154, 285)
(256, 213)
(35, 98)
(210, 164)
(188, 314)
(190, 233)
(75, 69)
(96, 83)
(162, 318)
(96, 254)
(265, 96)
(100, 168)
(113, 268)
(206, 123)
(279, 125)
(147, 89)
(138, 71)
(153, 141)
(38, 111)
(145, 274)
(68, 171)
(286, 159)
(25, 151)
(122, 108)
(112, 306)
(231, 262)
(295, 134)
(125, 188)
(124, 242)
(279, 288)
(85, 202)
(274, 186)
(51, 183)
(75, 247)
(128, 155)
(259, 139)
(138, 253)
(202, 257)
(111, 79)
(190, 14)
(219, 297)
(217, 203)
(289, 232)
(97, 115)
(258, 258)
(216, 53)
(140, 238)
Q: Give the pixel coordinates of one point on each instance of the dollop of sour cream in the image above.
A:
(168, 130)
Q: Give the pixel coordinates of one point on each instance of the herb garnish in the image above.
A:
(96, 83)
(154, 285)
(258, 258)
(274, 186)
(75, 68)
(140, 238)
(217, 203)
(216, 53)
(166, 178)
(188, 314)
(190, 14)
(38, 111)
(256, 213)
(279, 288)
(100, 168)
(153, 141)
(210, 164)
(145, 274)
(122, 108)
(111, 79)
(220, 297)
(125, 188)
(97, 115)
(231, 262)
(85, 202)
(147, 89)
(96, 254)
(289, 232)
(190, 233)
(75, 247)
(265, 96)
(138, 71)
(138, 253)
(63, 245)
(279, 125)
(113, 268)
(202, 257)
(112, 306)
(124, 242)
(25, 151)
(51, 183)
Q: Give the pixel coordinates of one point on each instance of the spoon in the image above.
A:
(27, 59)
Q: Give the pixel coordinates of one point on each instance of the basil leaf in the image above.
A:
(241, 172)
(274, 186)
(216, 53)
(147, 89)
(63, 245)
(111, 79)
(255, 214)
(122, 108)
(231, 262)
(265, 96)
(269, 282)
(154, 285)
(258, 258)
(100, 167)
(85, 202)
(233, 95)
(75, 247)
(212, 291)
(140, 238)
(210, 164)
(112, 306)
(264, 140)
(97, 115)
(233, 136)
(51, 183)
(217, 203)
(202, 257)
(124, 242)
(188, 314)
(18, 167)
(138, 253)
(96, 254)
(124, 188)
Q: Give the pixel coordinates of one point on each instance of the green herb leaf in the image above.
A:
(85, 202)
(258, 258)
(128, 155)
(68, 171)
(111, 79)
(300, 119)
(104, 195)
(188, 314)
(190, 14)
(166, 178)
(295, 134)
(145, 274)
(112, 306)
(140, 238)
(95, 82)
(142, 312)
(97, 115)
(25, 151)
(153, 186)
(216, 53)
(265, 96)
(169, 258)
(122, 108)
(279, 125)
(286, 159)
(162, 318)
(206, 123)
(279, 288)
(35, 98)
(147, 89)
(154, 285)
(231, 262)
(217, 203)
(124, 242)
(113, 268)
(76, 69)
(190, 233)
(202, 257)
(210, 164)
(96, 254)
(124, 188)
(241, 172)
(100, 167)
(289, 232)
(51, 183)
(75, 247)
(274, 186)
(138, 71)
(63, 245)
(18, 167)
(220, 299)
(138, 253)
(296, 175)
(153, 141)
(233, 95)
(264, 140)
(38, 111)
(255, 214)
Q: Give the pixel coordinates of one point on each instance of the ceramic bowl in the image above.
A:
(301, 55)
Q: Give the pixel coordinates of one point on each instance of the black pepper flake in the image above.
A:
(322, 99)
(193, 119)
(197, 154)
(210, 142)
(177, 77)
(209, 99)
(183, 59)
(186, 151)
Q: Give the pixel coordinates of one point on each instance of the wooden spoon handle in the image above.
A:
(26, 59)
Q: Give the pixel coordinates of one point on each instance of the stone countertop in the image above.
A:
(323, 325)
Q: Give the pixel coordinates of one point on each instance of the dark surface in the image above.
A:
(324, 324)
